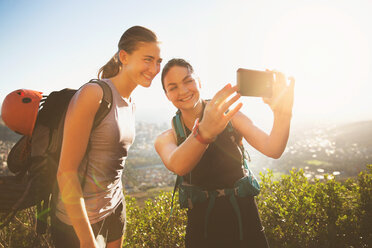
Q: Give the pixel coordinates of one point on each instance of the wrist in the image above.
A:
(286, 114)
(200, 134)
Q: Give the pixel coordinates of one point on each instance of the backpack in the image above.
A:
(189, 194)
(34, 159)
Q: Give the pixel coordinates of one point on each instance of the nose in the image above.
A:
(154, 69)
(183, 89)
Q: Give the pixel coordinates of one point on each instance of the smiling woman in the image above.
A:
(90, 209)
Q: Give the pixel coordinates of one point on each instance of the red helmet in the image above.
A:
(19, 110)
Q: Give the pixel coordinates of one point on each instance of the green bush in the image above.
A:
(298, 213)
(148, 226)
(295, 213)
(21, 233)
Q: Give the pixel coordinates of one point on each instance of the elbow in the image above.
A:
(179, 171)
(275, 155)
(275, 152)
(177, 168)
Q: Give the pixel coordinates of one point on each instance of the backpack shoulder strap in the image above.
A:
(106, 102)
(103, 110)
(178, 128)
(246, 157)
(181, 136)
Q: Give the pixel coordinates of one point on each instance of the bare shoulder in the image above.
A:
(164, 138)
(90, 91)
(88, 97)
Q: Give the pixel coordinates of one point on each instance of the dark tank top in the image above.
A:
(221, 165)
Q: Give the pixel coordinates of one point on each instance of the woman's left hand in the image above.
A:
(281, 101)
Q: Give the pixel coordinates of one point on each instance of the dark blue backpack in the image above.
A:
(189, 195)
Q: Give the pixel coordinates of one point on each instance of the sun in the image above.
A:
(327, 53)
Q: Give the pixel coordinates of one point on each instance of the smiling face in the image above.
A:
(143, 64)
(181, 88)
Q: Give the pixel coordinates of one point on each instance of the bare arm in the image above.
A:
(181, 160)
(272, 145)
(78, 124)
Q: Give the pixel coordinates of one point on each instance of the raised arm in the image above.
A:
(78, 124)
(272, 145)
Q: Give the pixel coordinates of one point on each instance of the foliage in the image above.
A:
(294, 211)
(148, 226)
(21, 233)
(298, 213)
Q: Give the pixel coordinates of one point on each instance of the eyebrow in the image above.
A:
(187, 76)
(152, 57)
(171, 84)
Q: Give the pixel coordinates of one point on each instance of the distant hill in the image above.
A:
(345, 148)
(6, 134)
(326, 150)
(353, 133)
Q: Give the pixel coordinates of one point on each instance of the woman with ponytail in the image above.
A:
(84, 215)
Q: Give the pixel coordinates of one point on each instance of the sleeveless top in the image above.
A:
(109, 144)
(221, 164)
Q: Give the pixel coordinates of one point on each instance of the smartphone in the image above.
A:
(255, 83)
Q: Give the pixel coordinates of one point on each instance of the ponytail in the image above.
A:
(111, 68)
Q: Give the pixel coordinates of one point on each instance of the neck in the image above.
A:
(189, 115)
(123, 84)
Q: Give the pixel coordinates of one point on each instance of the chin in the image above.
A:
(146, 84)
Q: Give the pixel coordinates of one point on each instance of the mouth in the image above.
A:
(185, 99)
(148, 77)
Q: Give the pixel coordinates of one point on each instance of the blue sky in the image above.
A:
(326, 46)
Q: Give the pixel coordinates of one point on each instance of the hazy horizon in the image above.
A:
(326, 46)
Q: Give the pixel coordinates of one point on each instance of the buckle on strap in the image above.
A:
(220, 192)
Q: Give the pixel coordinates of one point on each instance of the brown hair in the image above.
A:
(129, 43)
(175, 62)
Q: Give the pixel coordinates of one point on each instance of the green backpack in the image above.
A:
(189, 195)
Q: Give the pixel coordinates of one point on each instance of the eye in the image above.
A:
(148, 59)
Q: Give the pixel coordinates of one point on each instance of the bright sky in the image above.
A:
(325, 45)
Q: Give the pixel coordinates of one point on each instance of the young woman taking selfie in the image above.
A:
(209, 158)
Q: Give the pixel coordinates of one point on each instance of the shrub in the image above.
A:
(148, 227)
(298, 213)
(295, 213)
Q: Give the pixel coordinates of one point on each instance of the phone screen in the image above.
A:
(255, 83)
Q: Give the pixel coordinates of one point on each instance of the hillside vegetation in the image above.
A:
(295, 213)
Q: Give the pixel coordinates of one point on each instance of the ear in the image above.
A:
(123, 56)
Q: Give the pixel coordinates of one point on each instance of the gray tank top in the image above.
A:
(109, 145)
